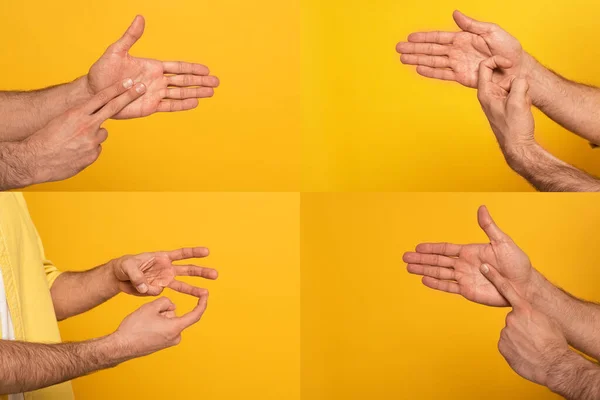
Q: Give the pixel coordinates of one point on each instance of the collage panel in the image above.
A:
(370, 329)
(243, 135)
(246, 345)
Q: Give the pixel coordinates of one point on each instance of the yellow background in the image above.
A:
(372, 331)
(247, 345)
(372, 124)
(245, 138)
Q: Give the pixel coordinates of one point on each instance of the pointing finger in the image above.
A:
(503, 285)
(114, 106)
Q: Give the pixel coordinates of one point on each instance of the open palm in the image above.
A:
(456, 56)
(147, 274)
(170, 85)
(454, 268)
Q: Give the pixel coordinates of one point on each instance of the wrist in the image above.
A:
(115, 283)
(118, 348)
(519, 153)
(533, 71)
(18, 167)
(572, 375)
(81, 92)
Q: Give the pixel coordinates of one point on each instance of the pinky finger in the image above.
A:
(436, 73)
(177, 105)
(438, 284)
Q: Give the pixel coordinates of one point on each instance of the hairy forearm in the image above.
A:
(23, 113)
(547, 173)
(29, 366)
(17, 169)
(573, 105)
(575, 378)
(578, 319)
(77, 292)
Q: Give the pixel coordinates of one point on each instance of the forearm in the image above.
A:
(575, 378)
(77, 292)
(578, 319)
(17, 168)
(573, 105)
(29, 366)
(23, 113)
(547, 173)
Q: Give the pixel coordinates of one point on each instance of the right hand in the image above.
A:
(456, 56)
(454, 268)
(72, 141)
(154, 326)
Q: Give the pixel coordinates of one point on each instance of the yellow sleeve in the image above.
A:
(51, 272)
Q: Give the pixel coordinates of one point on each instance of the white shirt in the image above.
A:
(8, 333)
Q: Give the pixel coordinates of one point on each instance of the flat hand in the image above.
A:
(455, 56)
(171, 85)
(454, 268)
(147, 274)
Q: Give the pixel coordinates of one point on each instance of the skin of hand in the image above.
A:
(172, 85)
(531, 342)
(154, 326)
(454, 268)
(508, 111)
(73, 140)
(147, 274)
(455, 56)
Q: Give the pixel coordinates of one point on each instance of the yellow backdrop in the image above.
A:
(246, 138)
(372, 124)
(372, 331)
(247, 344)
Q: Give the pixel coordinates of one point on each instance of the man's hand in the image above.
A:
(454, 268)
(508, 111)
(147, 274)
(73, 140)
(172, 85)
(455, 56)
(154, 326)
(531, 342)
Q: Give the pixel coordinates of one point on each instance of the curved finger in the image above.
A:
(194, 270)
(177, 105)
(518, 93)
(432, 37)
(136, 277)
(436, 73)
(429, 61)
(430, 259)
(193, 80)
(422, 48)
(182, 67)
(131, 35)
(161, 304)
(189, 93)
(431, 270)
(445, 249)
(441, 285)
(503, 285)
(188, 252)
(114, 106)
(195, 315)
(487, 67)
(186, 288)
(106, 95)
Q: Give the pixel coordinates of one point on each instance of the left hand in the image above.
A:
(531, 342)
(147, 274)
(177, 91)
(508, 111)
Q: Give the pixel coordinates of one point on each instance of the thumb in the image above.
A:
(518, 93)
(489, 226)
(132, 35)
(162, 304)
(468, 24)
(136, 276)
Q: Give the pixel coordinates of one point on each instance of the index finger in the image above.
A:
(504, 287)
(432, 37)
(188, 252)
(195, 315)
(104, 96)
(487, 67)
(182, 67)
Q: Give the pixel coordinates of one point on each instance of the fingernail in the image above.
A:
(140, 88)
(142, 288)
(484, 268)
(127, 83)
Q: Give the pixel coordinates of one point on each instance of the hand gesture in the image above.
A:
(172, 85)
(72, 141)
(454, 268)
(147, 274)
(455, 56)
(530, 342)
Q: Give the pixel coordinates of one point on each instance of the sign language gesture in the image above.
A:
(454, 268)
(531, 342)
(72, 141)
(147, 274)
(455, 56)
(172, 85)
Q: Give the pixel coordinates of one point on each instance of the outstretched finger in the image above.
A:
(432, 37)
(182, 67)
(186, 288)
(431, 270)
(429, 259)
(444, 249)
(188, 252)
(131, 35)
(441, 285)
(422, 48)
(177, 105)
(503, 285)
(114, 106)
(436, 73)
(194, 270)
